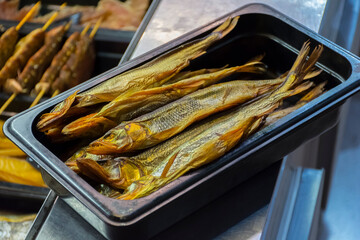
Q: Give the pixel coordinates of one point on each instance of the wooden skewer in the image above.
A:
(8, 101)
(83, 32)
(38, 97)
(86, 28)
(27, 16)
(42, 92)
(55, 93)
(96, 27)
(46, 25)
(52, 18)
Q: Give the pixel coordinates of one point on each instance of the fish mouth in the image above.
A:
(100, 148)
(87, 126)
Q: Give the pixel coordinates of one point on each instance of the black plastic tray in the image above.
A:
(260, 29)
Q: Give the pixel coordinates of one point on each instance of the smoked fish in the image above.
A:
(120, 172)
(276, 115)
(163, 123)
(216, 141)
(129, 106)
(152, 74)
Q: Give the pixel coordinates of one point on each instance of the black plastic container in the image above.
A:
(260, 30)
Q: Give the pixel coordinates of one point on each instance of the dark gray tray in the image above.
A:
(260, 29)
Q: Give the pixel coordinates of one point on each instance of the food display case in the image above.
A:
(228, 185)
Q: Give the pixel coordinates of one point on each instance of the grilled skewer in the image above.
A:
(9, 38)
(52, 72)
(24, 49)
(76, 65)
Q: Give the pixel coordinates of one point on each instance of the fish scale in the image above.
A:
(161, 124)
(154, 73)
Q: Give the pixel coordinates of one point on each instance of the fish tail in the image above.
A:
(234, 136)
(301, 66)
(312, 74)
(48, 119)
(314, 93)
(226, 27)
(253, 67)
(301, 58)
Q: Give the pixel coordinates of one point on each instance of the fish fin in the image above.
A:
(312, 74)
(314, 56)
(256, 124)
(143, 187)
(235, 135)
(257, 58)
(284, 74)
(301, 88)
(95, 171)
(226, 27)
(169, 164)
(92, 169)
(314, 93)
(253, 67)
(48, 118)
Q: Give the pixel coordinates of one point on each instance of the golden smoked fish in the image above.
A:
(129, 106)
(216, 141)
(276, 115)
(151, 74)
(120, 172)
(163, 123)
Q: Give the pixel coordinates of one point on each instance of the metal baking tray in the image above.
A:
(260, 29)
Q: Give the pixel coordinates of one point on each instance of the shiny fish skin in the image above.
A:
(204, 148)
(161, 124)
(126, 107)
(122, 171)
(278, 114)
(217, 140)
(151, 74)
(157, 71)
